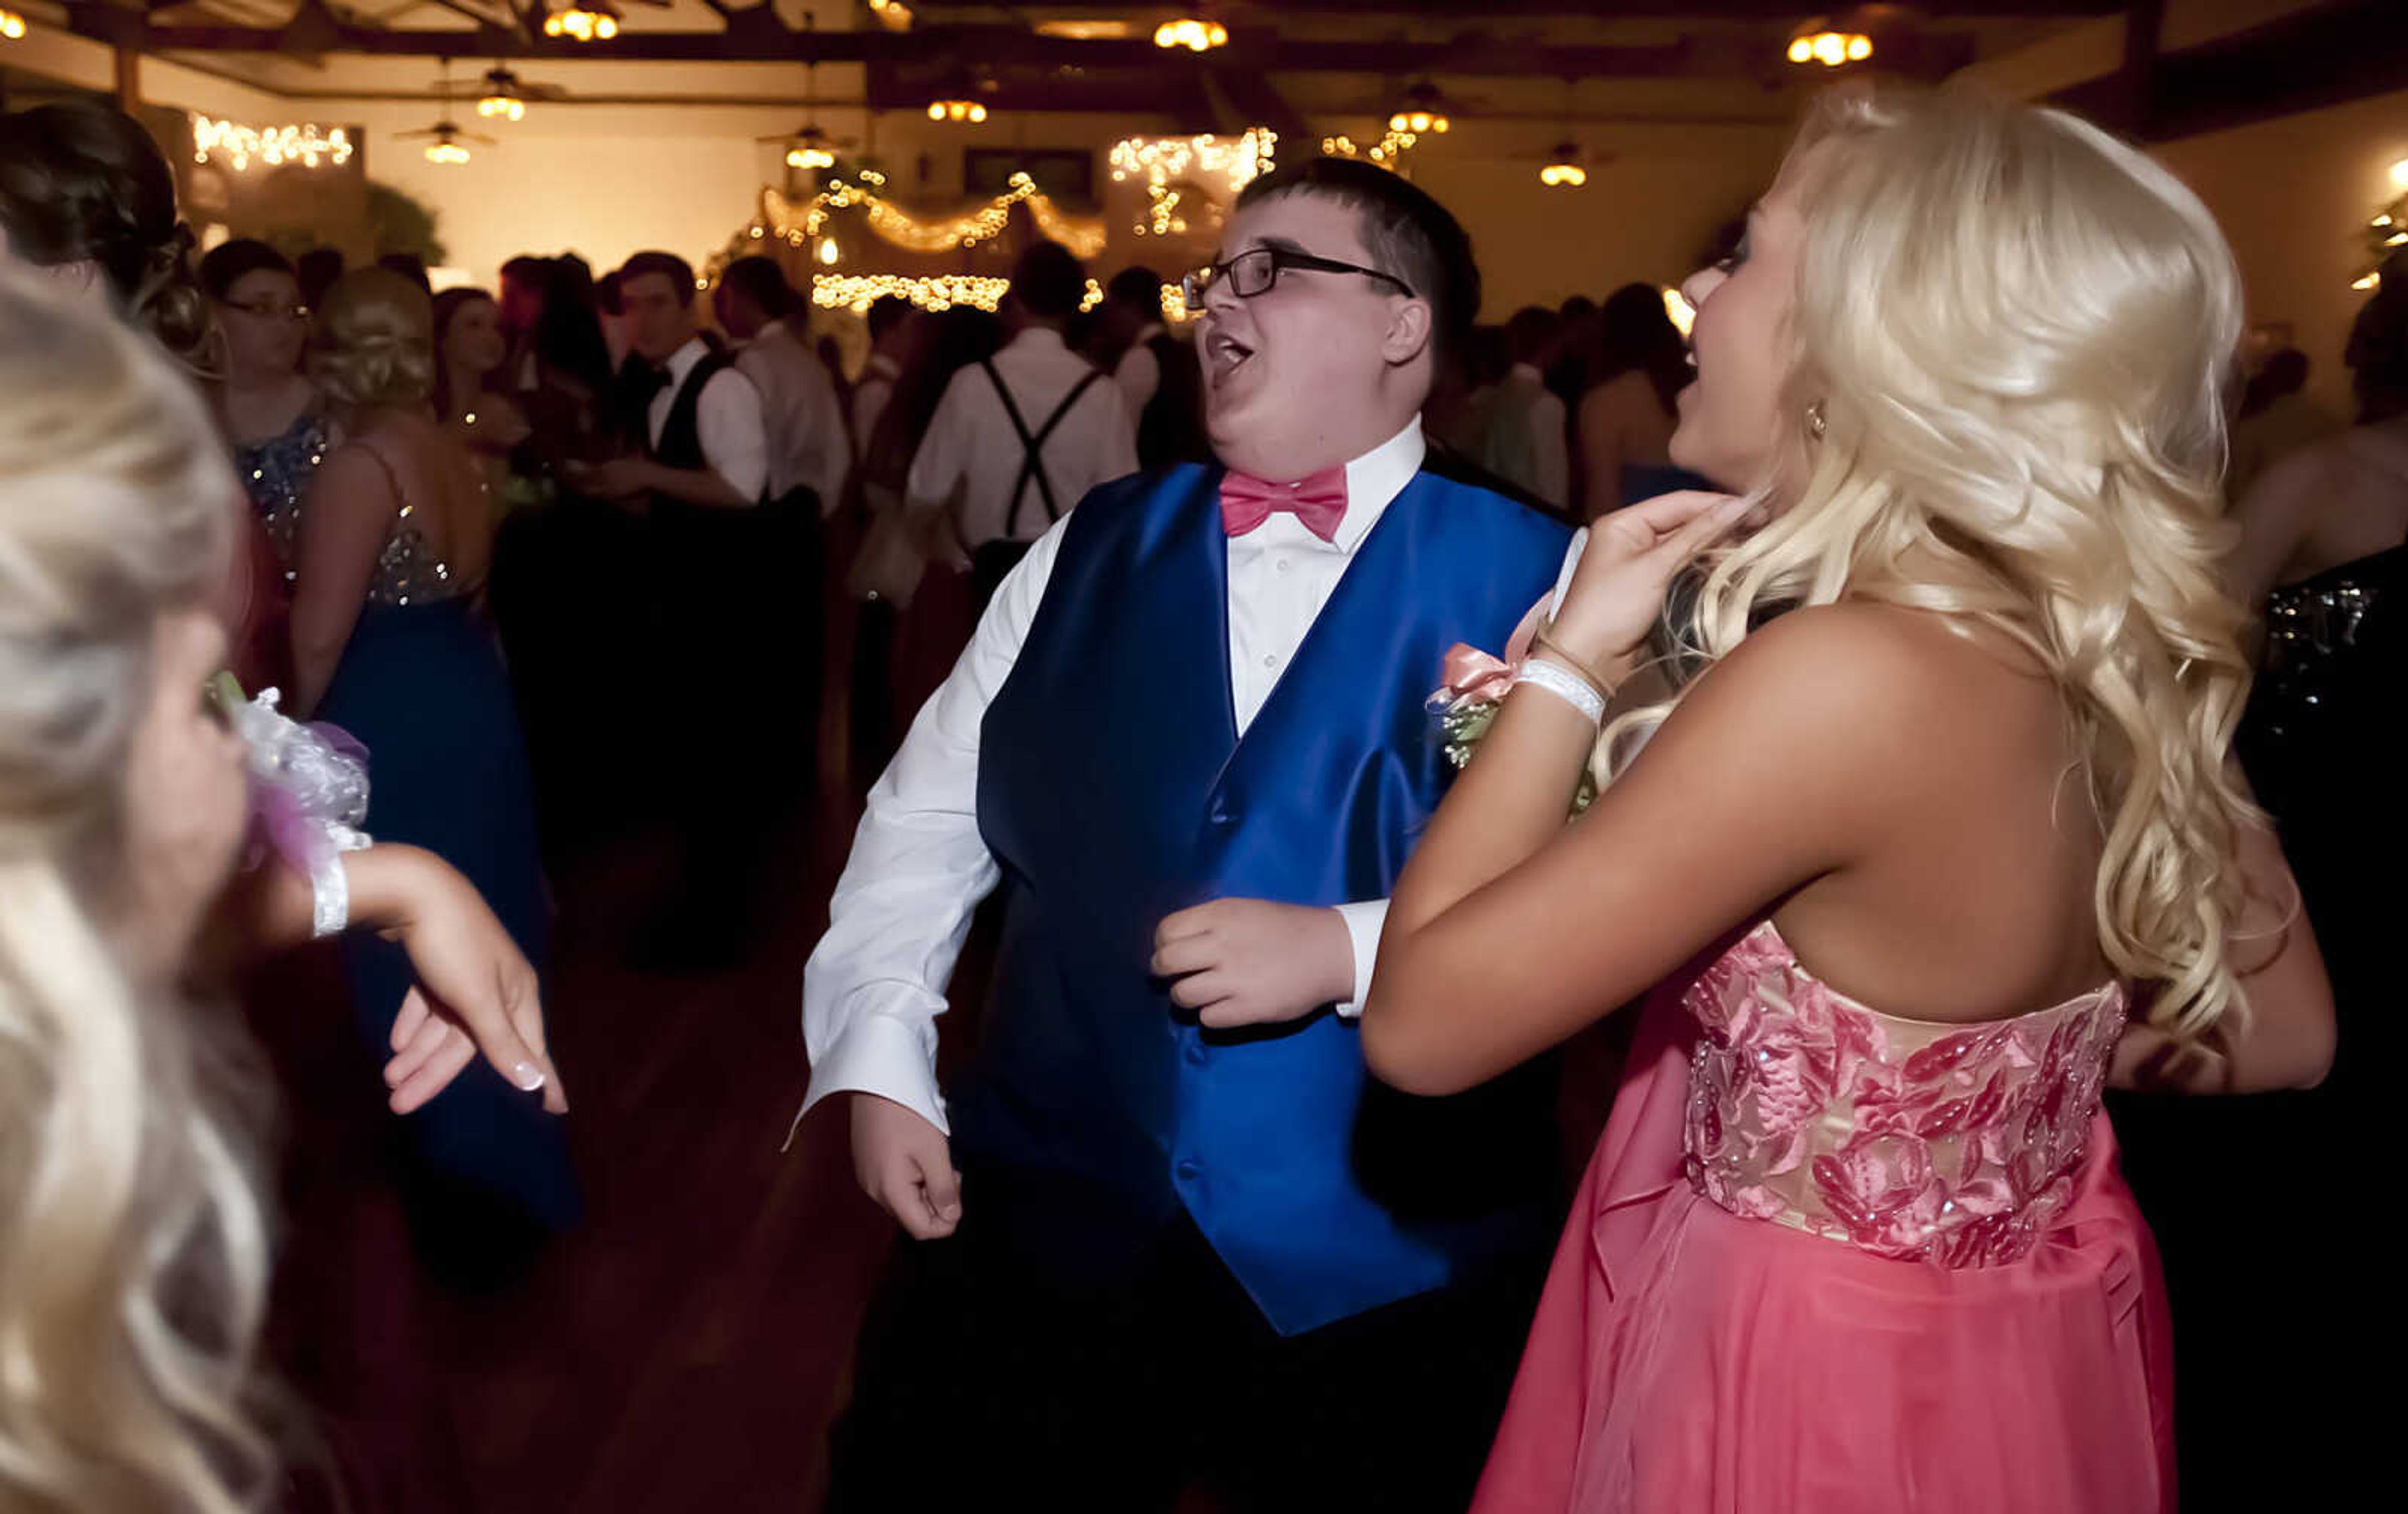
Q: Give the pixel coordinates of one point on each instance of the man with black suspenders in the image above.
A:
(1018, 440)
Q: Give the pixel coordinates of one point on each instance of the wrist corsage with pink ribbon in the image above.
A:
(308, 795)
(1472, 688)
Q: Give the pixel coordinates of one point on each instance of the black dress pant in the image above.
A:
(991, 1375)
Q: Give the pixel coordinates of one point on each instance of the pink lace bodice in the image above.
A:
(1954, 1144)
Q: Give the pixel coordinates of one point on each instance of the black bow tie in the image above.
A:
(645, 380)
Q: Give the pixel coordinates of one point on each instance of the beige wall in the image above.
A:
(1646, 213)
(2293, 197)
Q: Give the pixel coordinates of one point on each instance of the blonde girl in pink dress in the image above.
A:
(1943, 838)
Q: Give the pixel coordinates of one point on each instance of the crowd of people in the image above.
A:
(1929, 626)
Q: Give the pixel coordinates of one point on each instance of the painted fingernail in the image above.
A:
(527, 1075)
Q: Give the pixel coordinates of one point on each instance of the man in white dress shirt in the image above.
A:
(1187, 741)
(1021, 437)
(1525, 441)
(1158, 373)
(890, 322)
(699, 476)
(764, 317)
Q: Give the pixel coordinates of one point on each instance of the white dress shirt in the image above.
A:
(870, 397)
(728, 415)
(802, 415)
(972, 454)
(876, 984)
(1523, 439)
(1140, 374)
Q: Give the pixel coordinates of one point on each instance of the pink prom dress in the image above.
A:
(1830, 1259)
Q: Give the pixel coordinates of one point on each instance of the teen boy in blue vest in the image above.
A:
(1188, 1242)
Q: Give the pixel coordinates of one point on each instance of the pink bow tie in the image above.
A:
(1319, 502)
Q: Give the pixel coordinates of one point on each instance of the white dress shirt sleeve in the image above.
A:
(1550, 453)
(876, 983)
(1120, 437)
(1363, 923)
(945, 450)
(1140, 377)
(735, 442)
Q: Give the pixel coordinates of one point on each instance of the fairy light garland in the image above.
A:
(238, 146)
(858, 292)
(900, 228)
(1163, 161)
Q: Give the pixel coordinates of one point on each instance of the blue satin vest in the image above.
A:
(1113, 790)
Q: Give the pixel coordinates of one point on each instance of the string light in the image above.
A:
(585, 21)
(893, 14)
(1193, 34)
(1164, 160)
(12, 25)
(830, 254)
(1831, 49)
(275, 146)
(956, 110)
(895, 225)
(1391, 150)
(858, 292)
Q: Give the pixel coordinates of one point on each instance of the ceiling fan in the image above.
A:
(446, 136)
(501, 95)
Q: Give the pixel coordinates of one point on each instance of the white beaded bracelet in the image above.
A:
(1564, 684)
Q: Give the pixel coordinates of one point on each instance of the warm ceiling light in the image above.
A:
(1086, 31)
(1419, 123)
(1828, 47)
(894, 13)
(445, 150)
(502, 99)
(12, 25)
(585, 21)
(1563, 168)
(829, 252)
(956, 110)
(2399, 174)
(809, 157)
(2371, 280)
(1193, 34)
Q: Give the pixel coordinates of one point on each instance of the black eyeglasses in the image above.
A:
(1254, 271)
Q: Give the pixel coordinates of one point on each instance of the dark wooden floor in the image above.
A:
(686, 1347)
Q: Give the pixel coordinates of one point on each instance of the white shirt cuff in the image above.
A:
(1362, 924)
(883, 1055)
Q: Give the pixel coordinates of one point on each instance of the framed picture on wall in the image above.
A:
(1066, 174)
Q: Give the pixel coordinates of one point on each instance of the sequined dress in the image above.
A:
(421, 684)
(277, 474)
(2321, 745)
(1830, 1259)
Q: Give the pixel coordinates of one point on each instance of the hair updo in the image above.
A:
(83, 182)
(376, 340)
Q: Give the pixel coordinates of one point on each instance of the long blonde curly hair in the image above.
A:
(2007, 351)
(133, 1254)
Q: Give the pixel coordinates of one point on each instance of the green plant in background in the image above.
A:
(398, 223)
